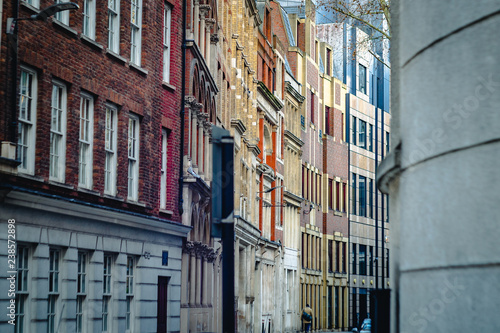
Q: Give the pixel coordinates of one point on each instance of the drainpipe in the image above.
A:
(183, 95)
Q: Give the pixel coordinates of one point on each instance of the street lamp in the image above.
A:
(11, 30)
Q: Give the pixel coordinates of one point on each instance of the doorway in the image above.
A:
(162, 304)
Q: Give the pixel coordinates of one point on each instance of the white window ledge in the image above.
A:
(115, 56)
(138, 68)
(86, 39)
(65, 27)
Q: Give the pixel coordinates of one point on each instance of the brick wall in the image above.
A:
(59, 53)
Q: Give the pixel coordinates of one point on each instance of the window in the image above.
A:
(114, 25)
(387, 138)
(330, 255)
(22, 287)
(62, 16)
(52, 308)
(163, 185)
(86, 134)
(330, 194)
(129, 292)
(353, 126)
(166, 42)
(386, 208)
(370, 198)
(370, 137)
(354, 264)
(370, 264)
(362, 134)
(344, 202)
(344, 257)
(362, 79)
(328, 62)
(327, 121)
(337, 197)
(353, 194)
(312, 106)
(27, 121)
(362, 196)
(34, 3)
(337, 253)
(89, 18)
(106, 293)
(135, 40)
(133, 157)
(58, 132)
(387, 262)
(81, 291)
(110, 146)
(362, 259)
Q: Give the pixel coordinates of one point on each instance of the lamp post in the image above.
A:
(11, 31)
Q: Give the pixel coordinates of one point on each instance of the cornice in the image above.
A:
(293, 138)
(290, 89)
(238, 125)
(275, 102)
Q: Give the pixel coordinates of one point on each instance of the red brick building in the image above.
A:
(91, 99)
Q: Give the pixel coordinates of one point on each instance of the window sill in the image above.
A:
(137, 203)
(89, 41)
(88, 191)
(168, 86)
(138, 68)
(167, 212)
(60, 184)
(30, 7)
(116, 56)
(109, 196)
(65, 27)
(31, 177)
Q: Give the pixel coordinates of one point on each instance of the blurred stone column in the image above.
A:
(443, 171)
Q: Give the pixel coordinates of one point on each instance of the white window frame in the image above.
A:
(110, 148)
(81, 291)
(362, 133)
(34, 3)
(27, 120)
(53, 296)
(22, 289)
(167, 24)
(363, 83)
(164, 157)
(133, 157)
(89, 18)
(129, 293)
(135, 31)
(107, 293)
(62, 16)
(86, 141)
(58, 132)
(114, 26)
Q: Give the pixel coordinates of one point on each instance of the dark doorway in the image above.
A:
(363, 305)
(162, 304)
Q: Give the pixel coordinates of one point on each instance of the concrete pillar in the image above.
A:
(204, 282)
(196, 14)
(199, 280)
(194, 133)
(202, 37)
(199, 147)
(443, 180)
(192, 279)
